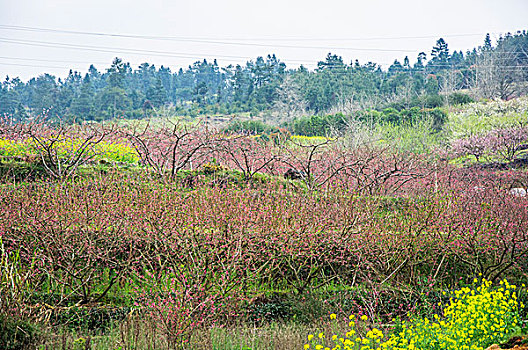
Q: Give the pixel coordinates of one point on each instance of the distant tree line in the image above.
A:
(266, 84)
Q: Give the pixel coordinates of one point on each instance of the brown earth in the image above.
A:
(518, 343)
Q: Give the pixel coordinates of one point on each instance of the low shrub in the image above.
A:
(17, 334)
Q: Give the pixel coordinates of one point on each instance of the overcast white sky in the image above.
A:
(299, 32)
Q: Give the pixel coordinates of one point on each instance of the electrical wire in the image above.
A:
(220, 40)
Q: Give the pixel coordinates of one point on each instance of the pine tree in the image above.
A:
(116, 73)
(487, 43)
(83, 105)
(440, 55)
(157, 95)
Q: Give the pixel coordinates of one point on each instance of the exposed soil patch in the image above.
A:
(518, 343)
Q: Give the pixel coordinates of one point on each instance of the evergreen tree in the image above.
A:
(113, 102)
(83, 105)
(440, 55)
(456, 61)
(396, 67)
(487, 43)
(157, 95)
(200, 93)
(43, 95)
(420, 61)
(113, 99)
(116, 73)
(406, 64)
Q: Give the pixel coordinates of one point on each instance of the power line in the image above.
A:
(140, 51)
(252, 44)
(224, 42)
(209, 39)
(115, 50)
(107, 49)
(48, 60)
(187, 55)
(118, 50)
(33, 66)
(65, 61)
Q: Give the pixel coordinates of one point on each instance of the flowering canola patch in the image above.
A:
(473, 319)
(111, 150)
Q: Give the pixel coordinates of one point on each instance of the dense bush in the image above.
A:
(336, 124)
(325, 125)
(458, 98)
(409, 117)
(431, 101)
(420, 102)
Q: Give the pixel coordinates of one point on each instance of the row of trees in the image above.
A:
(267, 84)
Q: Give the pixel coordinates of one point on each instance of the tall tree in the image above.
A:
(113, 99)
(420, 61)
(440, 55)
(157, 95)
(83, 105)
(116, 73)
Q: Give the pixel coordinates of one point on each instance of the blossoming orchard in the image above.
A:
(176, 234)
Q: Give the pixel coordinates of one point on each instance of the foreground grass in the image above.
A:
(474, 317)
(138, 333)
